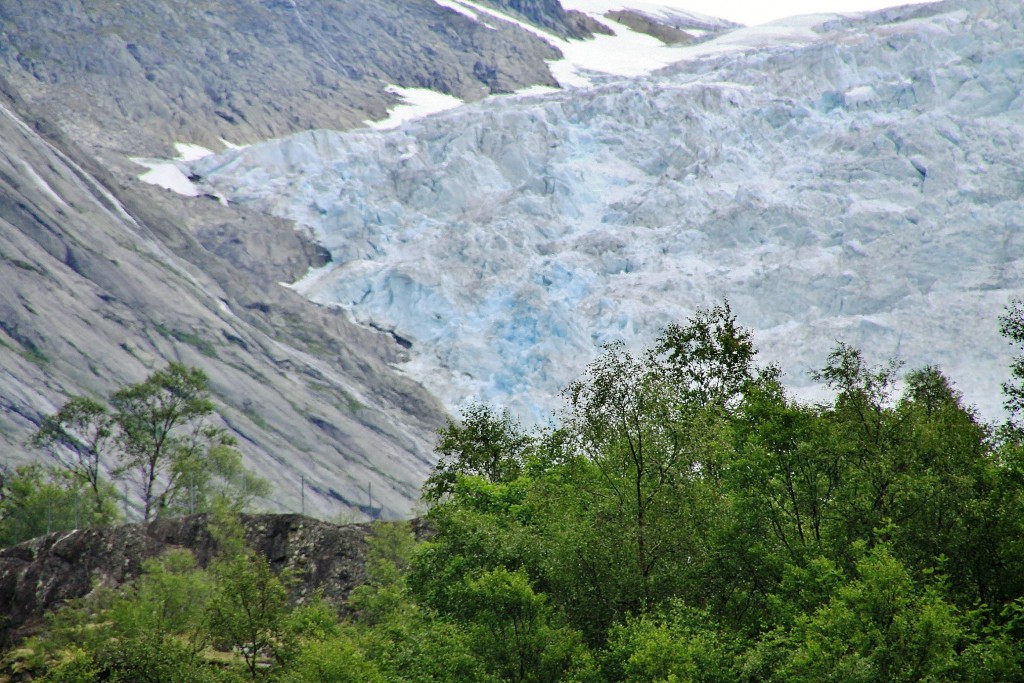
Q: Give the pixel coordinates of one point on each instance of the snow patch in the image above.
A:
(795, 32)
(168, 176)
(417, 103)
(627, 53)
(740, 11)
(190, 152)
(172, 174)
(463, 10)
(665, 10)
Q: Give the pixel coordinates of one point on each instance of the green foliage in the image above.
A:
(1011, 325)
(878, 627)
(77, 666)
(163, 432)
(678, 643)
(691, 522)
(150, 657)
(177, 622)
(248, 612)
(152, 630)
(214, 480)
(170, 596)
(647, 437)
(338, 660)
(36, 501)
(513, 630)
(158, 433)
(484, 444)
(78, 437)
(710, 359)
(685, 521)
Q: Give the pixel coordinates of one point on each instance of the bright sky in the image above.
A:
(752, 12)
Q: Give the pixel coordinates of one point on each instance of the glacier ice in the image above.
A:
(865, 185)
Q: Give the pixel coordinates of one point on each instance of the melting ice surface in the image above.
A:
(863, 183)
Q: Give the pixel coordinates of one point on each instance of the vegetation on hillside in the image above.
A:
(683, 520)
(154, 435)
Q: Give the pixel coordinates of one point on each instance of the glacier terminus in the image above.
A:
(864, 183)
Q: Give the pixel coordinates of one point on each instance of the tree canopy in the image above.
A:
(684, 519)
(156, 434)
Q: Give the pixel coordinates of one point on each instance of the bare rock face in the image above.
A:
(106, 279)
(105, 283)
(640, 22)
(135, 78)
(550, 14)
(39, 575)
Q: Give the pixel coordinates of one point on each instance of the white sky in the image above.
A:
(753, 12)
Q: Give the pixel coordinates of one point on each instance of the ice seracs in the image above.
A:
(861, 183)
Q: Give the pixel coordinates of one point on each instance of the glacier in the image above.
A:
(863, 183)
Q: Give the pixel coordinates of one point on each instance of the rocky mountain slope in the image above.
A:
(102, 288)
(135, 78)
(105, 278)
(851, 178)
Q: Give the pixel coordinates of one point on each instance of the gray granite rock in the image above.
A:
(105, 279)
(40, 575)
(134, 78)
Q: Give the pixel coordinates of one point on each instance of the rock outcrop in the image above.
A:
(550, 14)
(642, 23)
(39, 575)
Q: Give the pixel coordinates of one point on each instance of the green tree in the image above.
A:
(710, 359)
(862, 433)
(248, 611)
(483, 443)
(35, 501)
(649, 429)
(164, 435)
(1011, 326)
(149, 630)
(215, 479)
(624, 425)
(77, 666)
(79, 438)
(879, 627)
(783, 474)
(514, 630)
(408, 640)
(675, 644)
(337, 660)
(158, 431)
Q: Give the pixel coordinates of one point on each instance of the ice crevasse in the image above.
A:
(865, 185)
